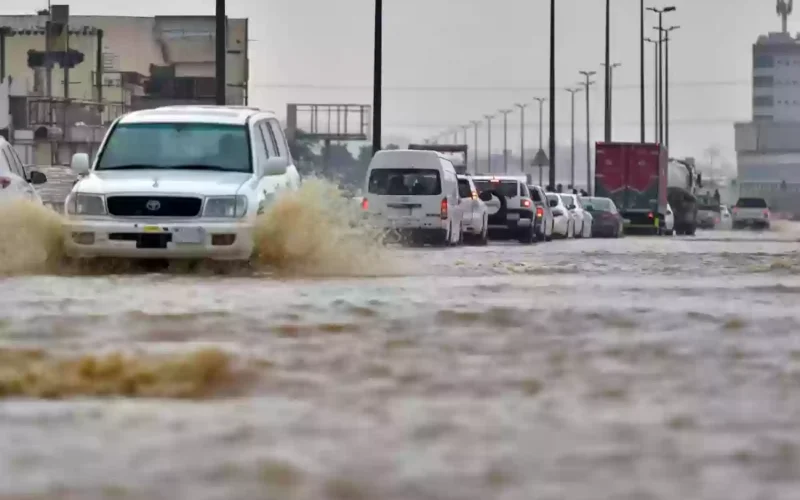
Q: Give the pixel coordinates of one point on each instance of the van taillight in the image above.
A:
(364, 204)
(443, 213)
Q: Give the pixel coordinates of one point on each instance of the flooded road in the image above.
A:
(641, 368)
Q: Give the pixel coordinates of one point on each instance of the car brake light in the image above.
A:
(526, 203)
(364, 204)
(4, 182)
(474, 195)
(735, 209)
(539, 212)
(650, 215)
(766, 213)
(443, 213)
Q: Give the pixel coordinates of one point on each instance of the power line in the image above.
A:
(445, 88)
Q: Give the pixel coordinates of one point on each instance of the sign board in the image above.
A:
(540, 160)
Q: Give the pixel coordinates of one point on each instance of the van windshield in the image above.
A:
(405, 182)
(201, 146)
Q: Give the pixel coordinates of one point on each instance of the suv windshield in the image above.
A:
(202, 146)
(405, 182)
(751, 203)
(509, 189)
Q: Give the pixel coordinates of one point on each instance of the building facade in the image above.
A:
(768, 146)
(114, 64)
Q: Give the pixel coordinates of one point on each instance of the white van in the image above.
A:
(414, 193)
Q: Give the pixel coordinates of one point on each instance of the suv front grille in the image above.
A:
(154, 206)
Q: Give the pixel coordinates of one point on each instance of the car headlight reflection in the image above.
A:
(85, 204)
(226, 206)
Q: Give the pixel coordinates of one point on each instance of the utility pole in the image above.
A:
(221, 53)
(475, 124)
(642, 116)
(572, 92)
(521, 136)
(465, 128)
(610, 100)
(489, 142)
(656, 64)
(607, 65)
(586, 84)
(377, 78)
(505, 113)
(541, 101)
(660, 29)
(552, 94)
(667, 32)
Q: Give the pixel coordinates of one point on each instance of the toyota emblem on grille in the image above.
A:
(153, 205)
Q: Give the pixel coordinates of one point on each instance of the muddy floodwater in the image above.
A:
(640, 368)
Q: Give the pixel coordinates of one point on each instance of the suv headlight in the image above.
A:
(226, 206)
(85, 204)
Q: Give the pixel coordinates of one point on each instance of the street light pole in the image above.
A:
(521, 136)
(660, 29)
(656, 64)
(586, 84)
(610, 113)
(476, 124)
(541, 101)
(667, 32)
(221, 21)
(552, 172)
(377, 78)
(505, 113)
(607, 64)
(489, 142)
(642, 116)
(572, 92)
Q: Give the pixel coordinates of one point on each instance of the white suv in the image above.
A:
(511, 209)
(178, 182)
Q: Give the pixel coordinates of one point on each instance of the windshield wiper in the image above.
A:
(132, 166)
(216, 168)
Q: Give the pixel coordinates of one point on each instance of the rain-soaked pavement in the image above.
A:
(640, 368)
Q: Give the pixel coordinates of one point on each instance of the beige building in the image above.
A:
(141, 62)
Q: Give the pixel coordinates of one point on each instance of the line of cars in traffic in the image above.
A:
(417, 197)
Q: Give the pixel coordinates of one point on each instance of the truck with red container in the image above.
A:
(636, 176)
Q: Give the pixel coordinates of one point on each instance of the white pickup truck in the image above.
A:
(751, 212)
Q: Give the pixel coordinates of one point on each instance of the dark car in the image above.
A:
(543, 223)
(606, 219)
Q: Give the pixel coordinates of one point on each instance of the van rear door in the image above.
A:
(405, 193)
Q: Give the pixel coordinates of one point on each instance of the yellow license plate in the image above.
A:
(151, 229)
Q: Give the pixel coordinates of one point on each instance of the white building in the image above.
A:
(768, 147)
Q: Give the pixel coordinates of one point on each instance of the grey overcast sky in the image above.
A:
(321, 51)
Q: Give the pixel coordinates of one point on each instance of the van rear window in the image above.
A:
(405, 182)
(751, 203)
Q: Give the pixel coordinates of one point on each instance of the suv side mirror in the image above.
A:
(80, 163)
(36, 177)
(275, 166)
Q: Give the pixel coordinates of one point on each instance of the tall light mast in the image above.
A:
(784, 9)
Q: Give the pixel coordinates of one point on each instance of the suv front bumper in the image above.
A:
(106, 237)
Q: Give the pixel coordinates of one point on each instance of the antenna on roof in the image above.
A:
(784, 9)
